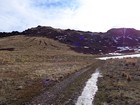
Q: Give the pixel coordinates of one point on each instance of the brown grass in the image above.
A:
(34, 60)
(120, 84)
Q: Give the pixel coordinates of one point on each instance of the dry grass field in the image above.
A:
(120, 84)
(29, 64)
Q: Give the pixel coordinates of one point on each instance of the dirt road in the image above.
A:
(67, 91)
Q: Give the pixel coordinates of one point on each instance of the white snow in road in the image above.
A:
(115, 54)
(120, 57)
(89, 90)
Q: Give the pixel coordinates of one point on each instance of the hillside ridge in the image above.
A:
(114, 40)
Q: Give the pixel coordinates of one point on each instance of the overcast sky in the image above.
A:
(87, 15)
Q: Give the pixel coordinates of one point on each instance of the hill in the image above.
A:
(114, 40)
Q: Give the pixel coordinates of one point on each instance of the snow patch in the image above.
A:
(126, 48)
(86, 47)
(115, 54)
(137, 50)
(89, 90)
(61, 37)
(129, 37)
(115, 40)
(137, 40)
(120, 57)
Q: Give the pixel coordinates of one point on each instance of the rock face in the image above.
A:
(114, 40)
(125, 36)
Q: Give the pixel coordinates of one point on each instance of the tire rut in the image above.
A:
(67, 89)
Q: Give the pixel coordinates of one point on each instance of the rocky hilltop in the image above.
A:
(114, 40)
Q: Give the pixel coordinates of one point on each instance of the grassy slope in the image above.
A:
(120, 84)
(34, 59)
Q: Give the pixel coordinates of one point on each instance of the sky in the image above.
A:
(86, 15)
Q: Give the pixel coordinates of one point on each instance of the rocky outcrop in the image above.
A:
(114, 40)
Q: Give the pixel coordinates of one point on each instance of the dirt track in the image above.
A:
(66, 91)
